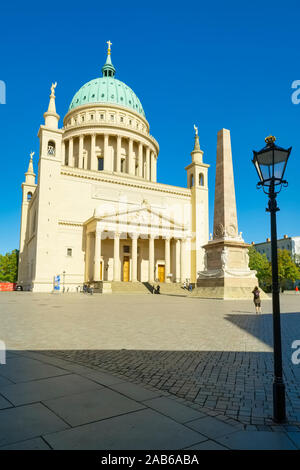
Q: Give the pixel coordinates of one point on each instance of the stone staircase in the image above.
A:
(170, 288)
(118, 287)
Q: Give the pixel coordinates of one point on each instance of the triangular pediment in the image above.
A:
(142, 216)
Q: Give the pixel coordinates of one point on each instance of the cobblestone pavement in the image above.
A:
(214, 354)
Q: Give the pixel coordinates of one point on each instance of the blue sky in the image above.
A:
(216, 64)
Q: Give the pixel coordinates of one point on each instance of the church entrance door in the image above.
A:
(126, 269)
(161, 273)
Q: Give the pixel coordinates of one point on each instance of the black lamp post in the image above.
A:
(270, 163)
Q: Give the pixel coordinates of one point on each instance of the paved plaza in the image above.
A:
(123, 367)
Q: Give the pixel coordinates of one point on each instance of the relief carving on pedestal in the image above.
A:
(219, 231)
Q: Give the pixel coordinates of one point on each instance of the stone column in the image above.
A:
(116, 256)
(177, 257)
(188, 257)
(94, 165)
(140, 173)
(151, 258)
(134, 238)
(71, 155)
(131, 166)
(106, 156)
(80, 153)
(147, 176)
(153, 172)
(87, 256)
(119, 142)
(183, 274)
(167, 259)
(63, 153)
(154, 167)
(97, 258)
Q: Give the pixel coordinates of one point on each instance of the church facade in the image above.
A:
(96, 212)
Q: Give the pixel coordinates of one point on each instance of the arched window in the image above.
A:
(29, 196)
(201, 179)
(123, 165)
(51, 148)
(191, 180)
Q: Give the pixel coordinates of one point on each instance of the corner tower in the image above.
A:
(48, 198)
(197, 181)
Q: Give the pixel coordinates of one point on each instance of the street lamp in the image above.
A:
(270, 163)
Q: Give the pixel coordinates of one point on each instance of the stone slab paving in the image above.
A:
(212, 356)
(45, 389)
(104, 417)
(30, 444)
(145, 429)
(92, 406)
(21, 423)
(173, 409)
(264, 440)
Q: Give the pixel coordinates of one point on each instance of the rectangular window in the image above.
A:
(100, 164)
(101, 116)
(112, 117)
(122, 165)
(126, 249)
(69, 251)
(121, 119)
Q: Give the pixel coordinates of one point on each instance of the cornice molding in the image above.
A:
(107, 178)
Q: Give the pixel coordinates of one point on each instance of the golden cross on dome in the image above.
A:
(109, 44)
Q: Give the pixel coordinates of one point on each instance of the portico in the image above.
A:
(130, 253)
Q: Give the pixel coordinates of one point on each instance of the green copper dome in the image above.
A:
(107, 89)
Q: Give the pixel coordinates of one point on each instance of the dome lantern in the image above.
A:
(108, 70)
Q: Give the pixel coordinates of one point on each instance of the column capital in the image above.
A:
(117, 234)
(134, 235)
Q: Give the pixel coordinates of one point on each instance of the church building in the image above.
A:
(96, 211)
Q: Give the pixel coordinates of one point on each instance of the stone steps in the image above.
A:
(128, 287)
(118, 287)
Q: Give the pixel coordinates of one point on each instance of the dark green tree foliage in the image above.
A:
(287, 269)
(9, 266)
(261, 265)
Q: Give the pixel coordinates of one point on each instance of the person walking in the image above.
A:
(256, 299)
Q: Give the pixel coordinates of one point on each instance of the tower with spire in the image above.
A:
(197, 181)
(28, 192)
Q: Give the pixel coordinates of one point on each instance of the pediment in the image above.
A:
(143, 216)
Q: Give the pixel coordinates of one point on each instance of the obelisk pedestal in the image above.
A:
(226, 274)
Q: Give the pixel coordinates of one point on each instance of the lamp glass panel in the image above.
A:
(280, 156)
(279, 169)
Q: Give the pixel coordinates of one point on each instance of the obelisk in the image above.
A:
(225, 218)
(227, 274)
